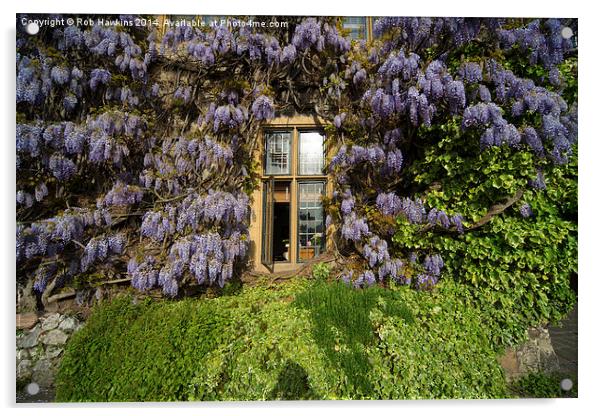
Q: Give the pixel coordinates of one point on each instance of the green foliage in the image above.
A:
(320, 271)
(542, 385)
(299, 340)
(568, 69)
(268, 345)
(139, 352)
(342, 328)
(292, 384)
(445, 354)
(517, 270)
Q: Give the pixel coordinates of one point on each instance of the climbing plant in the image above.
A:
(135, 152)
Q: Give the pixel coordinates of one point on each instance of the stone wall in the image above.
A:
(40, 344)
(535, 355)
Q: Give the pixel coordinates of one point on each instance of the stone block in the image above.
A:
(30, 339)
(24, 370)
(51, 321)
(22, 354)
(43, 373)
(69, 324)
(509, 362)
(53, 352)
(26, 320)
(54, 337)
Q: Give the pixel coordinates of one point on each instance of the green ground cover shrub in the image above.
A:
(299, 340)
(516, 269)
(518, 252)
(137, 352)
(342, 328)
(542, 385)
(445, 354)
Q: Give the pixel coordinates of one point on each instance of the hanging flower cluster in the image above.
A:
(119, 163)
(411, 86)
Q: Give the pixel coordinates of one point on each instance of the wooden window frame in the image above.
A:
(295, 179)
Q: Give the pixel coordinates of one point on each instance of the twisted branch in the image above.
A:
(497, 209)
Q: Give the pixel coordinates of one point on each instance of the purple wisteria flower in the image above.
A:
(365, 279)
(530, 138)
(288, 54)
(347, 203)
(144, 274)
(121, 195)
(339, 119)
(438, 217)
(538, 182)
(347, 276)
(376, 251)
(41, 191)
(484, 94)
(99, 76)
(389, 203)
(433, 264)
(543, 43)
(470, 72)
(392, 268)
(425, 281)
(394, 162)
(525, 211)
(555, 77)
(73, 37)
(24, 198)
(263, 108)
(69, 102)
(354, 227)
(61, 167)
(414, 210)
(456, 221)
(183, 93)
(308, 34)
(59, 75)
(455, 95)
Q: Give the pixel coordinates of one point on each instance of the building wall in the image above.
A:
(348, 23)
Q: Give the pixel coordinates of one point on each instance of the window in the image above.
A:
(357, 25)
(311, 153)
(294, 183)
(277, 153)
(311, 220)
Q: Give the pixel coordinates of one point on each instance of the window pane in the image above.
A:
(311, 215)
(311, 153)
(357, 26)
(277, 154)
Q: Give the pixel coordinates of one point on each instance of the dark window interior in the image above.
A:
(282, 227)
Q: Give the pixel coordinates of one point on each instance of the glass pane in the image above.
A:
(277, 153)
(311, 153)
(357, 27)
(311, 218)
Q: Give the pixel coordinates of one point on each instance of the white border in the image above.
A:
(589, 200)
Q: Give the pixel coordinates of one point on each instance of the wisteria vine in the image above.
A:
(136, 150)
